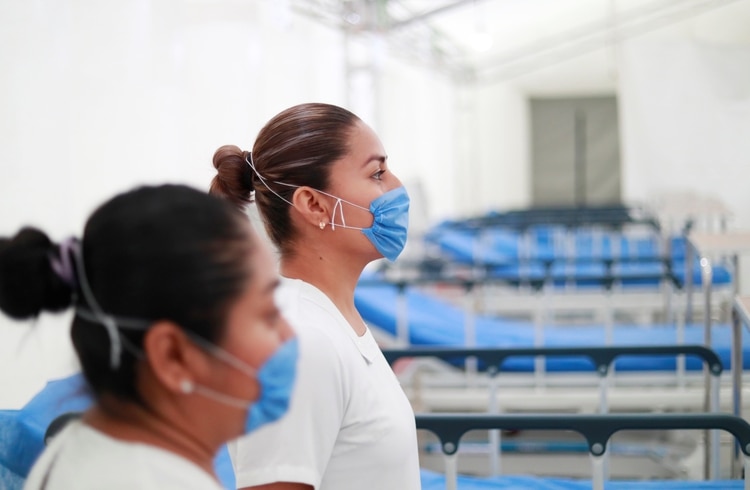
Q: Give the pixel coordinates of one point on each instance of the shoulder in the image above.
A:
(312, 316)
(299, 299)
(83, 458)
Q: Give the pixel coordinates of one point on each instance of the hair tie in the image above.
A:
(62, 262)
(251, 163)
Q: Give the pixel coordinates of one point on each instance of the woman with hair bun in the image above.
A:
(176, 330)
(330, 204)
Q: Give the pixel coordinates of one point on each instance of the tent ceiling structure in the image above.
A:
(496, 40)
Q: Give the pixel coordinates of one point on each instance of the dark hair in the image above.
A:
(154, 253)
(296, 147)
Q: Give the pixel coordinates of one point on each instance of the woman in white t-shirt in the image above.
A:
(177, 332)
(331, 205)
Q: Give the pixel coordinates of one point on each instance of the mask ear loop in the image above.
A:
(223, 355)
(341, 213)
(120, 322)
(249, 161)
(115, 346)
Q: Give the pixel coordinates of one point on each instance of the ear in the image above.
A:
(172, 357)
(313, 207)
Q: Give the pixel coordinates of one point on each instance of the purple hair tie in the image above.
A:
(62, 263)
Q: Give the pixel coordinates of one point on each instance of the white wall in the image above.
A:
(98, 96)
(494, 170)
(685, 111)
(698, 144)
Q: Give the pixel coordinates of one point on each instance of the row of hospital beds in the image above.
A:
(449, 296)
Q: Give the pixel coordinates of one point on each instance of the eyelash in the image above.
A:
(378, 175)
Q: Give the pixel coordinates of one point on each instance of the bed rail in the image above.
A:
(597, 429)
(492, 359)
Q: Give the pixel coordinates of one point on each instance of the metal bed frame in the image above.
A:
(597, 429)
(492, 359)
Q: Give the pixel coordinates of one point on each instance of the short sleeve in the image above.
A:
(298, 446)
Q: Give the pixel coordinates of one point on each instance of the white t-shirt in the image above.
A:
(83, 458)
(349, 425)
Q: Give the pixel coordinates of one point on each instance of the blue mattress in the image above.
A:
(436, 481)
(505, 248)
(436, 323)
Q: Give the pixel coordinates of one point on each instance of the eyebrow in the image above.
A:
(377, 158)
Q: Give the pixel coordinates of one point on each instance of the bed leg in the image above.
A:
(597, 471)
(451, 471)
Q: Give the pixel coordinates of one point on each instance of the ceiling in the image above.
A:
(502, 39)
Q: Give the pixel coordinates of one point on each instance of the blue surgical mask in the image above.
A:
(276, 379)
(390, 222)
(390, 213)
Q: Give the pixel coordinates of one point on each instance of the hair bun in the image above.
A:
(28, 283)
(234, 178)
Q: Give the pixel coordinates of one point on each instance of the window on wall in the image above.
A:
(575, 151)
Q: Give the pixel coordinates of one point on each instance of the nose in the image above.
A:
(395, 182)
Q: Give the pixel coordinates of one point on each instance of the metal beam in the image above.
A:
(426, 15)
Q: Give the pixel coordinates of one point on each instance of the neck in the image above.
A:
(131, 422)
(336, 277)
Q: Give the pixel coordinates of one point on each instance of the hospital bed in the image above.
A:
(602, 359)
(597, 429)
(580, 258)
(412, 317)
(420, 321)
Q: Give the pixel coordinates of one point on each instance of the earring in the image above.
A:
(186, 386)
(322, 225)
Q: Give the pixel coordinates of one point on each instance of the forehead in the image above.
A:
(363, 142)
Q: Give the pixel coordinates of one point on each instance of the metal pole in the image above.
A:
(451, 471)
(665, 250)
(470, 334)
(711, 437)
(715, 468)
(737, 366)
(681, 361)
(688, 281)
(539, 315)
(597, 472)
(494, 434)
(402, 316)
(604, 383)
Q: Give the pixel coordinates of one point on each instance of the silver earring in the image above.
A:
(322, 225)
(186, 386)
